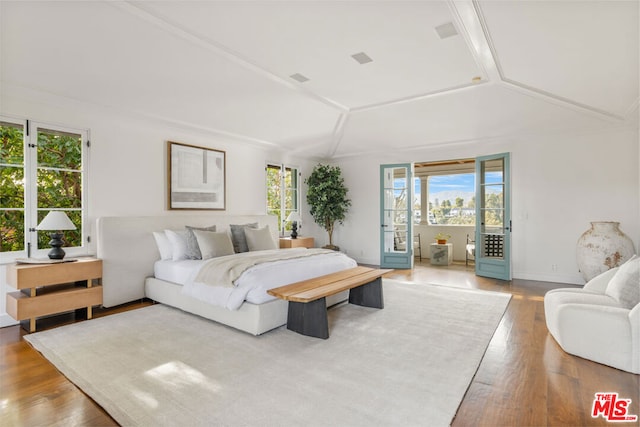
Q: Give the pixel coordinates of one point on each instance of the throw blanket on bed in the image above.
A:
(223, 271)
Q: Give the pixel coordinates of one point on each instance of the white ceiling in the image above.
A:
(225, 66)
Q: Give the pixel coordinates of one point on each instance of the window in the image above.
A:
(283, 193)
(42, 168)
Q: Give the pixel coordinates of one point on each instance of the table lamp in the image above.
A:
(294, 217)
(56, 221)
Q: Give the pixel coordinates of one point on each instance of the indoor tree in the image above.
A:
(327, 198)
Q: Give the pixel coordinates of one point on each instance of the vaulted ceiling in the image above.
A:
(283, 73)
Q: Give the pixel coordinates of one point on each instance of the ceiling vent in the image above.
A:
(362, 58)
(446, 30)
(299, 77)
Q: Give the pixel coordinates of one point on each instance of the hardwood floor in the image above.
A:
(525, 379)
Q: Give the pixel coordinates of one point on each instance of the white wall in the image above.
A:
(560, 183)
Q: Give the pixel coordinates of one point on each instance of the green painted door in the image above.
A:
(396, 225)
(493, 217)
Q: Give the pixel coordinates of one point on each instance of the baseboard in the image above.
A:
(556, 278)
(6, 320)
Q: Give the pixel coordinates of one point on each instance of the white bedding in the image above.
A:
(252, 285)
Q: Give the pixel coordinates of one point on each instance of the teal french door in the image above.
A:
(396, 208)
(493, 216)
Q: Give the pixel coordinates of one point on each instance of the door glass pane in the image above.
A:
(492, 227)
(11, 187)
(395, 210)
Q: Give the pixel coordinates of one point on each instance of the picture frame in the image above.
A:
(196, 177)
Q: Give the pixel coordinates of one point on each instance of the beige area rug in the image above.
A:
(408, 364)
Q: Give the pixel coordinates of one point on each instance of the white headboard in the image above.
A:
(128, 250)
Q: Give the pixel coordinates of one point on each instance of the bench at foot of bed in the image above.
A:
(307, 313)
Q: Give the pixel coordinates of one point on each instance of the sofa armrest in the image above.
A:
(599, 333)
(634, 321)
(599, 283)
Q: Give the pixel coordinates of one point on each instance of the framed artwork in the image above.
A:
(196, 177)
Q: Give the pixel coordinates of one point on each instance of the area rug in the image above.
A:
(408, 364)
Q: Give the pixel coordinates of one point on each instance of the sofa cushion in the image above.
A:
(259, 239)
(238, 237)
(178, 240)
(193, 250)
(213, 244)
(624, 287)
(164, 245)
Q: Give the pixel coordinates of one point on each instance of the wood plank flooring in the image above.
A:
(525, 379)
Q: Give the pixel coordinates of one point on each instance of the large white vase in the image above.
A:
(601, 248)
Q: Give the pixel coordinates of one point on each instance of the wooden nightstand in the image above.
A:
(45, 289)
(300, 242)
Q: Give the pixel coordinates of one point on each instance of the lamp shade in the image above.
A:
(56, 220)
(293, 216)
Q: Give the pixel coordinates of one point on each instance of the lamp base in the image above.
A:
(56, 243)
(294, 230)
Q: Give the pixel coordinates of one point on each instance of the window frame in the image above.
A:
(283, 225)
(30, 167)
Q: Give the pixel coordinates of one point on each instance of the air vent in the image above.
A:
(446, 30)
(299, 77)
(362, 58)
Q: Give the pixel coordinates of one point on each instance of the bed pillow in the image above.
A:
(238, 237)
(259, 239)
(624, 286)
(164, 245)
(178, 239)
(213, 244)
(193, 251)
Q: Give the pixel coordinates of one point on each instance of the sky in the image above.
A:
(463, 183)
(460, 182)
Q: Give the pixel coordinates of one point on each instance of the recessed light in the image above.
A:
(446, 30)
(362, 58)
(299, 77)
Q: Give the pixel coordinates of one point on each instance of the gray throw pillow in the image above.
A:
(238, 238)
(193, 250)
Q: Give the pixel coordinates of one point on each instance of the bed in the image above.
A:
(133, 269)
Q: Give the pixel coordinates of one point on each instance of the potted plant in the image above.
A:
(327, 198)
(442, 238)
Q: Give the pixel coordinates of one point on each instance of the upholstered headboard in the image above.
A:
(128, 250)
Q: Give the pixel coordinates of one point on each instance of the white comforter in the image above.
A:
(254, 273)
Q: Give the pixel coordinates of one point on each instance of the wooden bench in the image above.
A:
(307, 299)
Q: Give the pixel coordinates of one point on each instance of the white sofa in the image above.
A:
(600, 322)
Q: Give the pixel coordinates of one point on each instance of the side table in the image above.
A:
(441, 254)
(300, 242)
(45, 289)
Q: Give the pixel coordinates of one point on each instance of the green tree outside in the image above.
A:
(59, 184)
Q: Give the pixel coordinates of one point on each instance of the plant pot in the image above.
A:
(442, 241)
